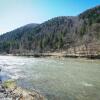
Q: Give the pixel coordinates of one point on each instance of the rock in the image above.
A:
(9, 91)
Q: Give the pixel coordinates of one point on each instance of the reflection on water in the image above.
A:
(58, 79)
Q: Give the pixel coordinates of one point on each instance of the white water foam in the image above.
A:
(87, 84)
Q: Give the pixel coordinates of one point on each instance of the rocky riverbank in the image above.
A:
(91, 51)
(9, 91)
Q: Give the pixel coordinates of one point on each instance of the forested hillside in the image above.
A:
(11, 40)
(79, 34)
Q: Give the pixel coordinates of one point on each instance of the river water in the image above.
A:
(55, 78)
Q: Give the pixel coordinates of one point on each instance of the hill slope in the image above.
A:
(75, 35)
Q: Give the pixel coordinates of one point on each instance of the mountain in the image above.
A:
(17, 33)
(12, 39)
(73, 34)
(93, 15)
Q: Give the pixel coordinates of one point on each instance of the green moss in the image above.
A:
(9, 84)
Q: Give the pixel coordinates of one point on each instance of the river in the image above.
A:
(55, 78)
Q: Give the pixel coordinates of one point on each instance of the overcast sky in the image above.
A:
(16, 13)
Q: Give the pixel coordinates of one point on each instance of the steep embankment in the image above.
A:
(75, 36)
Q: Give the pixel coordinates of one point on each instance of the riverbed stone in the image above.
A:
(9, 91)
